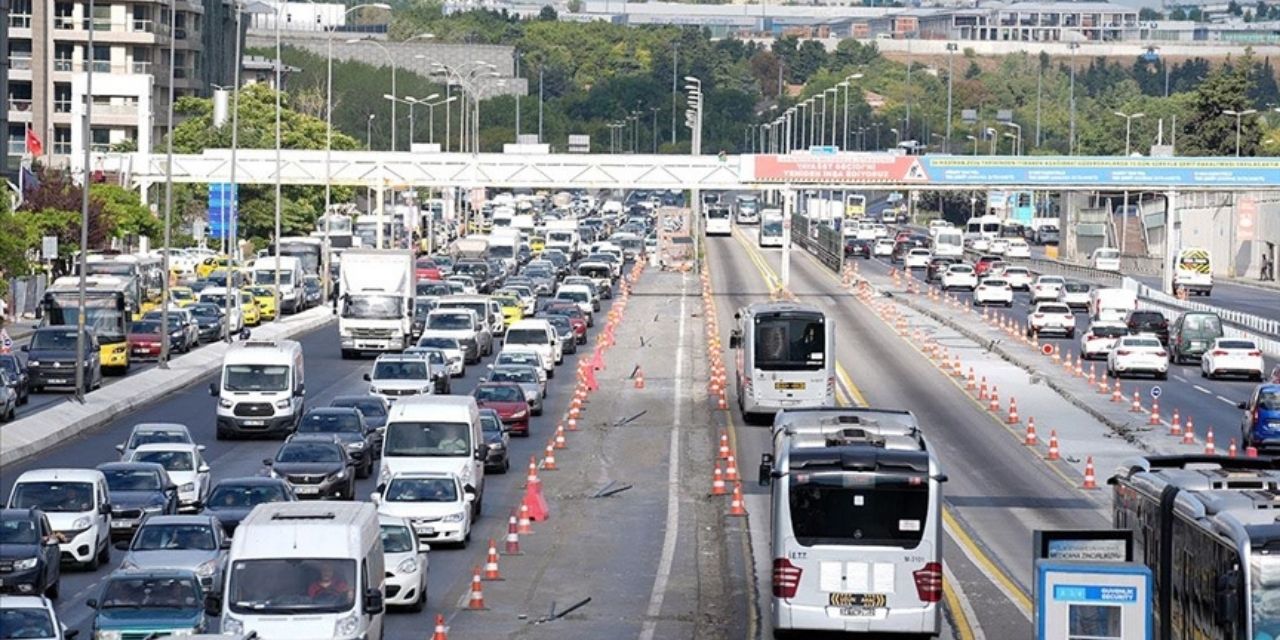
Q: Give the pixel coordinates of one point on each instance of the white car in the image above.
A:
(454, 356)
(1017, 248)
(880, 230)
(406, 562)
(468, 285)
(998, 247)
(1019, 278)
(959, 276)
(1047, 288)
(397, 375)
(993, 291)
(522, 357)
(436, 504)
(883, 248)
(1232, 356)
(1075, 295)
(1100, 338)
(185, 465)
(981, 244)
(31, 617)
(579, 294)
(917, 259)
(1051, 317)
(78, 507)
(1142, 353)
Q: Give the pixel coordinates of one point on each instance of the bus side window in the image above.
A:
(735, 339)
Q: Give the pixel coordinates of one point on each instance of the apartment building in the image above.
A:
(48, 61)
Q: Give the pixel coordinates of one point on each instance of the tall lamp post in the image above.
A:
(844, 141)
(694, 89)
(951, 51)
(1017, 149)
(390, 61)
(1128, 127)
(431, 115)
(1238, 115)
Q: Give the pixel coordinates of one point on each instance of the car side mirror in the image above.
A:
(92, 603)
(200, 447)
(70, 634)
(204, 468)
(213, 389)
(120, 448)
(373, 602)
(104, 509)
(367, 378)
(302, 389)
(225, 544)
(267, 461)
(1242, 405)
(735, 340)
(375, 497)
(213, 605)
(766, 469)
(25, 348)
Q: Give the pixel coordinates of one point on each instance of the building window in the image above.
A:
(61, 97)
(102, 58)
(179, 64)
(62, 140)
(62, 53)
(180, 26)
(101, 17)
(20, 96)
(62, 12)
(20, 14)
(17, 139)
(101, 140)
(19, 54)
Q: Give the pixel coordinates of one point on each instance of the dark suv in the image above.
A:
(30, 562)
(1147, 321)
(51, 358)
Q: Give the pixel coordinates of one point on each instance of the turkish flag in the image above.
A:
(34, 146)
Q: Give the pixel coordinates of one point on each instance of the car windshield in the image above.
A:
(256, 377)
(422, 490)
(1075, 287)
(330, 422)
(561, 324)
(1108, 331)
(490, 423)
(510, 357)
(174, 537)
(157, 437)
(1148, 343)
(792, 342)
(1201, 325)
(203, 310)
(413, 439)
(240, 496)
(149, 593)
(54, 340)
(1269, 399)
(513, 375)
(498, 393)
(145, 326)
(396, 539)
(132, 480)
(366, 406)
(170, 460)
(25, 622)
(18, 532)
(449, 321)
(527, 336)
(438, 342)
(291, 586)
(576, 296)
(371, 307)
(308, 452)
(1247, 345)
(431, 289)
(400, 370)
(53, 497)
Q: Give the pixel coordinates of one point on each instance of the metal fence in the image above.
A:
(819, 239)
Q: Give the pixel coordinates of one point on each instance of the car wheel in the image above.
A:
(1162, 376)
(104, 554)
(506, 464)
(421, 602)
(365, 469)
(51, 591)
(1203, 373)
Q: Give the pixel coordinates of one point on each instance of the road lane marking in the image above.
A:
(965, 622)
(1228, 401)
(1202, 389)
(672, 533)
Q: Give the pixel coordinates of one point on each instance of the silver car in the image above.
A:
(154, 433)
(535, 389)
(192, 542)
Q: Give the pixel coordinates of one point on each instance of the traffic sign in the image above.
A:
(1155, 392)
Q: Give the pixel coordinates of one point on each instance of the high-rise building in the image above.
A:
(47, 42)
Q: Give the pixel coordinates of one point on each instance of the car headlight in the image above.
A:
(33, 363)
(283, 404)
(232, 626)
(455, 517)
(347, 626)
(81, 523)
(356, 445)
(181, 632)
(189, 486)
(207, 568)
(519, 414)
(409, 565)
(496, 445)
(25, 564)
(106, 634)
(341, 475)
(224, 403)
(153, 509)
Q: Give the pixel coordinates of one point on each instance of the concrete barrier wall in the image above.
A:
(1212, 221)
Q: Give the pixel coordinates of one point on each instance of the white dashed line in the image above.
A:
(1227, 400)
(1202, 389)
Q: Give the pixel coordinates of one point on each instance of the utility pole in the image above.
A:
(517, 98)
(85, 136)
(540, 68)
(675, 87)
(951, 51)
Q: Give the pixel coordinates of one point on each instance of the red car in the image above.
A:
(144, 339)
(507, 398)
(984, 264)
(577, 319)
(426, 269)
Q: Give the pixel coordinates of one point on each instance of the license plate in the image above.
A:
(857, 600)
(254, 423)
(789, 386)
(425, 530)
(857, 612)
(120, 525)
(57, 381)
(306, 490)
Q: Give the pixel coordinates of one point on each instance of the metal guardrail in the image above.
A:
(819, 239)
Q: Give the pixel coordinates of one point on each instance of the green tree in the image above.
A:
(16, 241)
(129, 217)
(548, 14)
(1208, 132)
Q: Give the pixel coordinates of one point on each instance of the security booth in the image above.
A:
(1087, 587)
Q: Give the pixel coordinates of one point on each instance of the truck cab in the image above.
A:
(375, 301)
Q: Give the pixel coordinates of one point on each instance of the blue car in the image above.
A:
(138, 603)
(1260, 425)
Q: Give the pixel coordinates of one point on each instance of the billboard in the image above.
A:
(223, 208)
(852, 168)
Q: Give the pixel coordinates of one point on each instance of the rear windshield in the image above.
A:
(1236, 344)
(1054, 308)
(527, 336)
(1269, 400)
(858, 508)
(1109, 331)
(790, 343)
(1201, 325)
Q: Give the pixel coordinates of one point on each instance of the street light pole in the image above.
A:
(1239, 115)
(168, 192)
(951, 51)
(279, 166)
(1071, 141)
(1128, 127)
(85, 136)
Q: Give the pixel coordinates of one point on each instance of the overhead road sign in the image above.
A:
(851, 168)
(1103, 172)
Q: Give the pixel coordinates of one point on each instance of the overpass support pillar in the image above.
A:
(788, 210)
(1172, 241)
(379, 194)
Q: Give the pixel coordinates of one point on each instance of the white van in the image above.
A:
(538, 335)
(948, 241)
(78, 506)
(306, 570)
(1111, 304)
(260, 389)
(1193, 271)
(218, 296)
(579, 294)
(1105, 259)
(291, 293)
(436, 433)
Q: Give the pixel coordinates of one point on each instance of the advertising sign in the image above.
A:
(840, 168)
(223, 208)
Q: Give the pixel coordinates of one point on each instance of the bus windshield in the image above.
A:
(794, 342)
(103, 313)
(858, 508)
(1264, 573)
(771, 227)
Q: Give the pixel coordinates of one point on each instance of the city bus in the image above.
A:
(771, 228)
(855, 206)
(785, 355)
(856, 512)
(109, 309)
(1206, 527)
(144, 274)
(341, 234)
(748, 209)
(308, 250)
(719, 221)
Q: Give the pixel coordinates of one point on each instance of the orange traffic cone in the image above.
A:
(724, 445)
(1116, 394)
(441, 633)
(1053, 445)
(532, 478)
(1250, 452)
(1175, 425)
(1031, 438)
(1231, 448)
(722, 403)
(1189, 432)
(477, 593)
(561, 442)
(549, 460)
(982, 389)
(535, 501)
(513, 535)
(639, 383)
(717, 481)
(1209, 449)
(994, 405)
(1013, 411)
(573, 423)
(491, 572)
(525, 526)
(736, 506)
(1090, 480)
(731, 469)
(971, 383)
(1136, 405)
(1155, 414)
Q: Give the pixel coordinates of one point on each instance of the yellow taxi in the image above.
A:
(512, 310)
(266, 299)
(182, 296)
(249, 306)
(537, 244)
(206, 266)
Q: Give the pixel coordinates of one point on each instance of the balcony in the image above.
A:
(20, 21)
(141, 67)
(62, 148)
(20, 63)
(116, 109)
(19, 104)
(64, 22)
(62, 105)
(63, 64)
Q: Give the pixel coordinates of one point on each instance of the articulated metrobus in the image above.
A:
(718, 220)
(771, 228)
(144, 276)
(856, 512)
(109, 308)
(785, 355)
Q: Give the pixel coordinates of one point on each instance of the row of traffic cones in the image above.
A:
(716, 389)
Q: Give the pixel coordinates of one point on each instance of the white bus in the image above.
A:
(785, 355)
(718, 220)
(856, 510)
(748, 209)
(771, 228)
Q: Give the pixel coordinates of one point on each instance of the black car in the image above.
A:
(497, 440)
(347, 425)
(938, 266)
(857, 248)
(30, 561)
(232, 499)
(138, 490)
(311, 291)
(209, 319)
(315, 466)
(19, 381)
(1146, 321)
(51, 358)
(564, 329)
(479, 270)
